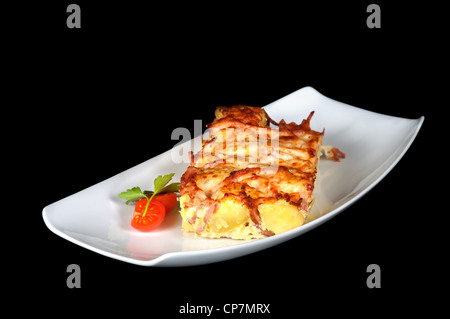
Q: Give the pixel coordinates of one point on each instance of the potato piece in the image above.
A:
(280, 216)
(230, 214)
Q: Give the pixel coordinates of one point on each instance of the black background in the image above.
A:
(98, 100)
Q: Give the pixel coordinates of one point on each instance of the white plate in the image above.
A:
(97, 219)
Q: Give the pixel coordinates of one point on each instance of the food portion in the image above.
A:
(251, 180)
(151, 206)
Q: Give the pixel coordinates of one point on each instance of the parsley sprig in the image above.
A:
(160, 186)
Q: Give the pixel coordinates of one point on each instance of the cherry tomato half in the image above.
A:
(169, 200)
(153, 216)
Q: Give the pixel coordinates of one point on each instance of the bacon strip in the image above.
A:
(332, 152)
(254, 212)
(212, 207)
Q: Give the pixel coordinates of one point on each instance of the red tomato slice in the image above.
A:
(153, 216)
(169, 200)
(140, 205)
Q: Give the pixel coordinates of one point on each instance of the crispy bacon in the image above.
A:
(333, 153)
(237, 176)
(250, 115)
(256, 217)
(270, 119)
(212, 207)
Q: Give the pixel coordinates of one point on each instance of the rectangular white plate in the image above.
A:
(97, 219)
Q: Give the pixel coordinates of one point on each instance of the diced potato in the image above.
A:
(230, 214)
(280, 216)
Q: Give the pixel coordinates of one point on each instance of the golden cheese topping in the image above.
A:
(250, 180)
